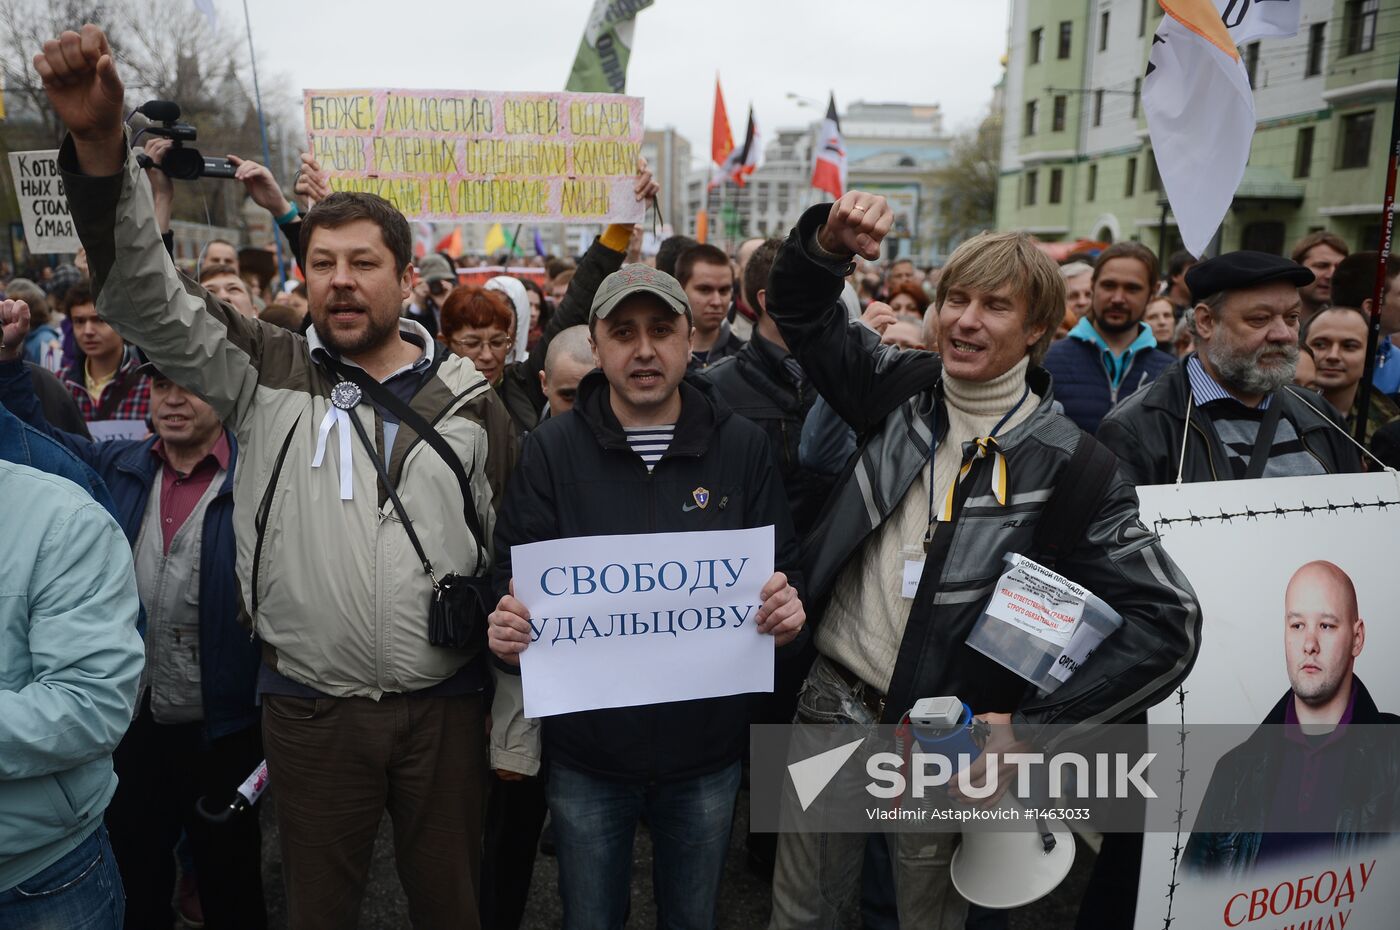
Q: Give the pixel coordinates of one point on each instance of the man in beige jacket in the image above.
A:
(361, 713)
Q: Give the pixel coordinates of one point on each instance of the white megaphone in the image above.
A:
(1001, 868)
(993, 866)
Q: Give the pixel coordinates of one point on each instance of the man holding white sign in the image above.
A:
(643, 452)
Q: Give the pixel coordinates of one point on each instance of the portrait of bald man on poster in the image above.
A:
(1312, 777)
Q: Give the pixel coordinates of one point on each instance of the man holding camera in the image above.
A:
(345, 522)
(961, 456)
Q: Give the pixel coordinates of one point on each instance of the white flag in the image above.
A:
(210, 12)
(1200, 116)
(1248, 20)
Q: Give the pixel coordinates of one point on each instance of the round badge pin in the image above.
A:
(346, 395)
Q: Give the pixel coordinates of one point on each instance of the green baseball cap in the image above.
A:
(638, 279)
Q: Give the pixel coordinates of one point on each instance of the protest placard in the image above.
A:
(48, 227)
(1296, 589)
(477, 155)
(619, 621)
(107, 430)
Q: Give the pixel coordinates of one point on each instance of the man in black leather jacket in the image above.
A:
(918, 500)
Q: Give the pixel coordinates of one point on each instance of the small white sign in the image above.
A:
(107, 430)
(1032, 598)
(621, 621)
(913, 571)
(48, 226)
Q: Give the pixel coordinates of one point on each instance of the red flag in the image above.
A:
(721, 139)
(450, 244)
(829, 166)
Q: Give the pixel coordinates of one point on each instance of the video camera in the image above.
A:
(181, 163)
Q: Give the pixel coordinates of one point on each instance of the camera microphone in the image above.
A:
(160, 111)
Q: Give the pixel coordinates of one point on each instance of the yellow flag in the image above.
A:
(495, 240)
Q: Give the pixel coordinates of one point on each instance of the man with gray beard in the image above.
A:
(1229, 410)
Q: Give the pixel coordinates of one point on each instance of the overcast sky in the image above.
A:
(915, 51)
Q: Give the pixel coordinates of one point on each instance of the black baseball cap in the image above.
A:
(1236, 270)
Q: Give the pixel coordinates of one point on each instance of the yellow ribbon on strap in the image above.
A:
(1001, 480)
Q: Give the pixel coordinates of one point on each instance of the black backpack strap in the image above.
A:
(406, 414)
(1078, 492)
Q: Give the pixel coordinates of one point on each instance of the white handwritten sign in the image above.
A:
(619, 621)
(48, 227)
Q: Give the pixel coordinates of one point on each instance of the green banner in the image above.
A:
(601, 64)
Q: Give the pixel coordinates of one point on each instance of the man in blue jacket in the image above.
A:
(70, 660)
(195, 731)
(1111, 352)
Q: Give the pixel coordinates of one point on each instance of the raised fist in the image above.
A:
(14, 327)
(80, 78)
(858, 223)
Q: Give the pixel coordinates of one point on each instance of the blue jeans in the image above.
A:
(595, 820)
(81, 891)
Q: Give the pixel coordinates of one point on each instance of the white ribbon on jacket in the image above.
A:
(344, 397)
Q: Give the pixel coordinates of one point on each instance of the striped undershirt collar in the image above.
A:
(650, 442)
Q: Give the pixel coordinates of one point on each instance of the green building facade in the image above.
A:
(1077, 162)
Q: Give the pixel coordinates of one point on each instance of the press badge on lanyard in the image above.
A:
(913, 570)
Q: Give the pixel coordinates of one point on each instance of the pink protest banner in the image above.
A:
(507, 157)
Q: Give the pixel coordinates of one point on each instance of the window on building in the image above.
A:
(1092, 188)
(1355, 150)
(1036, 36)
(1067, 36)
(1302, 156)
(1250, 54)
(1061, 105)
(1153, 182)
(1360, 25)
(1029, 127)
(1264, 236)
(1142, 18)
(1057, 184)
(1098, 108)
(1130, 183)
(1103, 31)
(1317, 35)
(1030, 188)
(1137, 96)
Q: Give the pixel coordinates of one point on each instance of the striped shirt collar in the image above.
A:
(1205, 389)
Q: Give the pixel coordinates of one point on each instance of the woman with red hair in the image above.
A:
(479, 324)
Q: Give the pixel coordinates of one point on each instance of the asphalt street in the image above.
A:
(744, 901)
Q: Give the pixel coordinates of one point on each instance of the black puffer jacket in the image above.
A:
(754, 385)
(1145, 432)
(893, 399)
(577, 476)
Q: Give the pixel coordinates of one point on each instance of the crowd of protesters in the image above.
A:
(238, 503)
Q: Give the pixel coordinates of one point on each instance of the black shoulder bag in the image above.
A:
(1078, 492)
(461, 603)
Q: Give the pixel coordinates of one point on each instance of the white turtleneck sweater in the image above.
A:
(865, 619)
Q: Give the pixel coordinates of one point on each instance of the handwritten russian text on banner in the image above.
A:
(483, 155)
(48, 227)
(619, 621)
